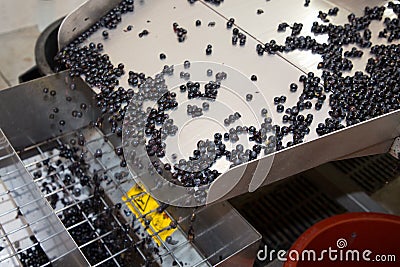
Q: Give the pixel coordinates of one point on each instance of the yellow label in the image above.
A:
(145, 204)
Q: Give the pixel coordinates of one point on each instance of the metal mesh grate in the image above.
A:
(283, 213)
(27, 223)
(371, 173)
(99, 221)
(18, 244)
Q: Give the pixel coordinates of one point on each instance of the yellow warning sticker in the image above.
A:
(146, 205)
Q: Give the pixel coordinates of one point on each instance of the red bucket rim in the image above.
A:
(314, 231)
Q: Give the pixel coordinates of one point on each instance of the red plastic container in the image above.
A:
(351, 239)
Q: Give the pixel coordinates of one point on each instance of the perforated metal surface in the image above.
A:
(369, 173)
(283, 212)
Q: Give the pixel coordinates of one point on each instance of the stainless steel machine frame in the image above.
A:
(24, 119)
(35, 135)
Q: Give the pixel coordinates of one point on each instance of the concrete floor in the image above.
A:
(21, 22)
(17, 53)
